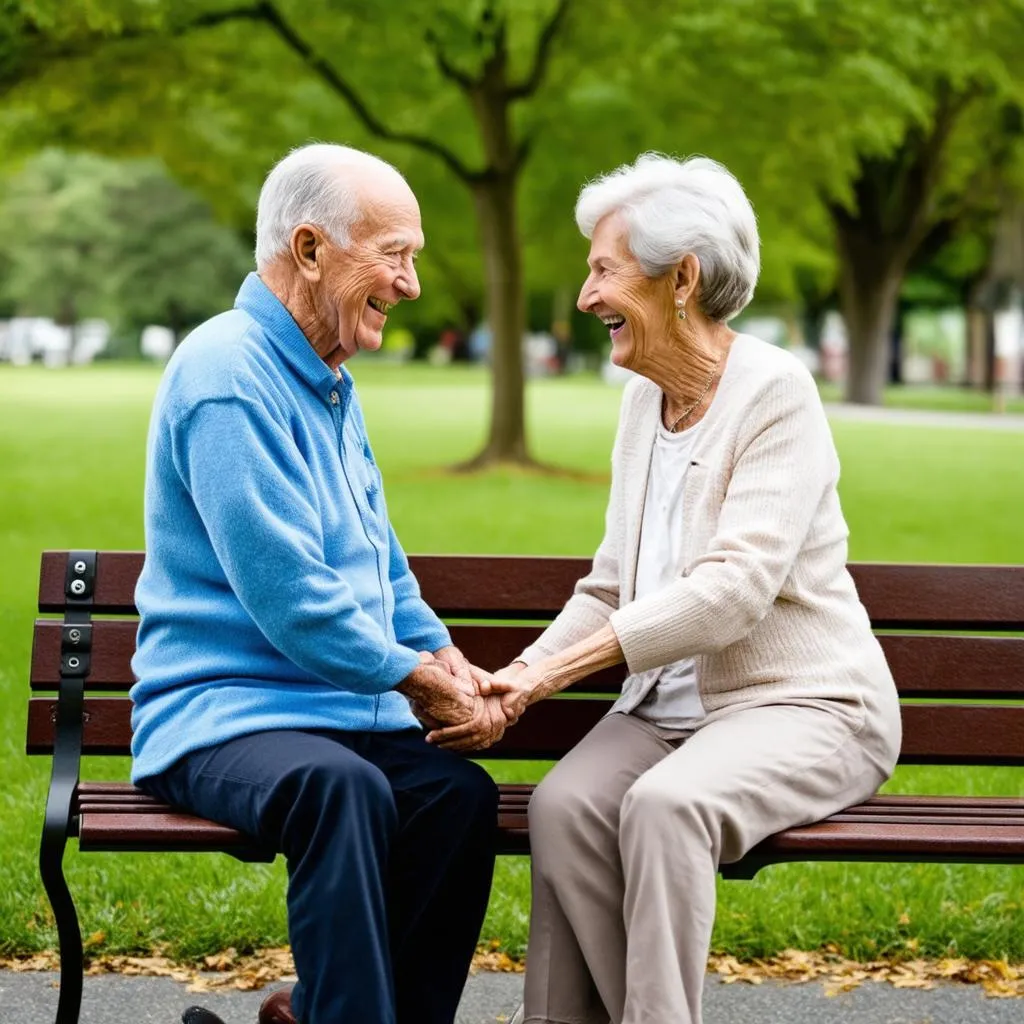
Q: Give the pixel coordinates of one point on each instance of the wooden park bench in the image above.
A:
(81, 673)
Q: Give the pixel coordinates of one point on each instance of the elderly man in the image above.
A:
(283, 640)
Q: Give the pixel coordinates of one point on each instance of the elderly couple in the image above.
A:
(293, 684)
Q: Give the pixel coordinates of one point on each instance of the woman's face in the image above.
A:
(638, 311)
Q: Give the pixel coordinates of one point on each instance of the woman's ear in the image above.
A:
(687, 278)
(305, 247)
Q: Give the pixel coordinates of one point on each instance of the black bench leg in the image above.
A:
(58, 825)
(743, 870)
(72, 957)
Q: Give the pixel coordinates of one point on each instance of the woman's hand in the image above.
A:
(514, 684)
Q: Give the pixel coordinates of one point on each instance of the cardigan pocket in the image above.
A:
(700, 510)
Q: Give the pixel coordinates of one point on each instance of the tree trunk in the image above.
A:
(869, 288)
(977, 340)
(494, 196)
(495, 199)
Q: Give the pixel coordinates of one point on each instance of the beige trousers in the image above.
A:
(628, 829)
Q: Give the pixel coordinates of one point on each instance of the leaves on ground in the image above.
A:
(249, 971)
(997, 977)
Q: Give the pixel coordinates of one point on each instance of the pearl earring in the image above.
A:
(682, 312)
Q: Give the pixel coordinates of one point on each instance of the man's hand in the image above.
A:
(455, 661)
(484, 730)
(437, 697)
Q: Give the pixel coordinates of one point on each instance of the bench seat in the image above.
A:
(116, 816)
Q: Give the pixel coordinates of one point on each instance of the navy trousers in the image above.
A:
(390, 847)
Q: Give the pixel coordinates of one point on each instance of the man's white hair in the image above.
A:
(310, 186)
(675, 207)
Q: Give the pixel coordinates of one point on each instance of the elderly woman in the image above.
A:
(757, 697)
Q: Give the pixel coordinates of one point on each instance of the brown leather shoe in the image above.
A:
(277, 1008)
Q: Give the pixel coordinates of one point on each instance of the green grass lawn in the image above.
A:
(71, 467)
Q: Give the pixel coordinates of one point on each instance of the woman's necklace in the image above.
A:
(688, 411)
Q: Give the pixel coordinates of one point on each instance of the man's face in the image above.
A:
(361, 281)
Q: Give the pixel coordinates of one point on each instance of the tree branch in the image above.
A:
(920, 178)
(79, 47)
(542, 58)
(267, 13)
(445, 66)
(45, 50)
(356, 103)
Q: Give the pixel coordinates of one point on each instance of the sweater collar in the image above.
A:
(256, 299)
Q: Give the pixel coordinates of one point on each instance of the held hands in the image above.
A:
(465, 707)
(505, 695)
(444, 690)
(438, 696)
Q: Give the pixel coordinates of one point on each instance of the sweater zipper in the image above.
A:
(337, 414)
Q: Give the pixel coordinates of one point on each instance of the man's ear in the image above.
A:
(306, 249)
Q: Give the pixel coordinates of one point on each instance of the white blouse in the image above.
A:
(672, 700)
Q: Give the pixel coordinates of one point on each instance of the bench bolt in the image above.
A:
(74, 635)
(78, 586)
(79, 566)
(73, 662)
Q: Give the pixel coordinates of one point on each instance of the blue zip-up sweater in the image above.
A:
(275, 594)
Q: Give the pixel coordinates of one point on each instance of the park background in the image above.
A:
(882, 144)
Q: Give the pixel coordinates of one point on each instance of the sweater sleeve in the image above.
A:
(257, 502)
(416, 625)
(785, 464)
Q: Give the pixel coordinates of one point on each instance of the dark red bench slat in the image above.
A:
(116, 575)
(889, 827)
(956, 667)
(161, 830)
(894, 842)
(100, 793)
(841, 837)
(958, 802)
(924, 666)
(933, 733)
(981, 597)
(989, 597)
(113, 645)
(103, 797)
(962, 734)
(457, 585)
(546, 732)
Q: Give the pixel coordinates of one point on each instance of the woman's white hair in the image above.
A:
(310, 186)
(675, 207)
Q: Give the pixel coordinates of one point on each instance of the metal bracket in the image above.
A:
(80, 577)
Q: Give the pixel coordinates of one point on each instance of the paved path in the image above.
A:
(490, 998)
(1013, 422)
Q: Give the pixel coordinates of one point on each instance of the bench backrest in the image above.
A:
(949, 682)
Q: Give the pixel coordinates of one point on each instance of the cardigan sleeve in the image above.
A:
(784, 466)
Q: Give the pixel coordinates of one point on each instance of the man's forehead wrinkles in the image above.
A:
(402, 241)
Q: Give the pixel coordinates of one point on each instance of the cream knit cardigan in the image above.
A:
(763, 600)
